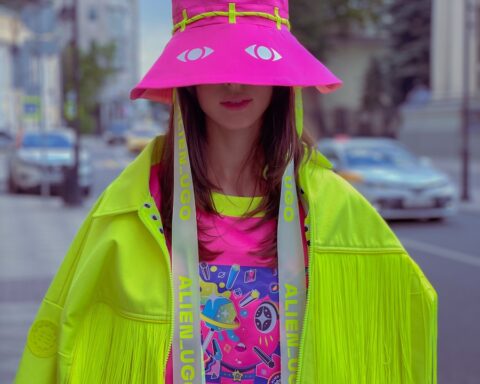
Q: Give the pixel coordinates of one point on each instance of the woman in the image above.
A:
(201, 263)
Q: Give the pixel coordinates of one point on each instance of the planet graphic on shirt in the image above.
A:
(219, 313)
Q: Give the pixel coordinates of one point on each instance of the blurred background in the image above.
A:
(404, 130)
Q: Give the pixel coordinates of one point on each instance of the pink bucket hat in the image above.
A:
(245, 42)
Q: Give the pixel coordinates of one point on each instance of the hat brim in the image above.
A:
(233, 53)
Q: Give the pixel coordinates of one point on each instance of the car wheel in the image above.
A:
(439, 219)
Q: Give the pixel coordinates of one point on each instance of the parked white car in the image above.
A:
(396, 182)
(38, 157)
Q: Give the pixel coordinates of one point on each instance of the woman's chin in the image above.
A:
(237, 128)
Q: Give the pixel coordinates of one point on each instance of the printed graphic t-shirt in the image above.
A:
(239, 294)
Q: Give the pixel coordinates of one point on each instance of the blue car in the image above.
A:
(396, 182)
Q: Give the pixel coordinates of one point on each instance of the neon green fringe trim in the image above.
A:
(111, 348)
(373, 320)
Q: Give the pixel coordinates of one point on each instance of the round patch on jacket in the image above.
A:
(42, 339)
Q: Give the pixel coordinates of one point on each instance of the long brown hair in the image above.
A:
(278, 138)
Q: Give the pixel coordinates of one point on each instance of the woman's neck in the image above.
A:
(230, 166)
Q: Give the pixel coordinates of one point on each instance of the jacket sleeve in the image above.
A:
(39, 361)
(424, 305)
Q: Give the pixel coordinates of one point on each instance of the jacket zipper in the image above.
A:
(172, 315)
(164, 249)
(302, 336)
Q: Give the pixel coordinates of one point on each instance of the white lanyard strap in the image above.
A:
(187, 353)
(291, 276)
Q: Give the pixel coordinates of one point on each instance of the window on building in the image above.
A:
(120, 59)
(118, 23)
(92, 14)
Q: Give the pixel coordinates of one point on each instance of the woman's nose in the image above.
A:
(234, 86)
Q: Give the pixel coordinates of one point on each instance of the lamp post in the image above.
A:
(469, 14)
(71, 194)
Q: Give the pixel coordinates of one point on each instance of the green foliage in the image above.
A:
(314, 21)
(375, 87)
(409, 45)
(378, 113)
(318, 23)
(96, 67)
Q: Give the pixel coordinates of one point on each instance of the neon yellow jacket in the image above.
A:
(371, 315)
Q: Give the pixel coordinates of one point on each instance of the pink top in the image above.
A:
(239, 294)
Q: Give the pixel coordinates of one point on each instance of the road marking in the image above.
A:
(448, 254)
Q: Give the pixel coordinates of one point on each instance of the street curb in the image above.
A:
(469, 207)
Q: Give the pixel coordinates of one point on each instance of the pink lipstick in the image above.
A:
(236, 105)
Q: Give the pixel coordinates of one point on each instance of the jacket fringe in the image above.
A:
(362, 335)
(113, 348)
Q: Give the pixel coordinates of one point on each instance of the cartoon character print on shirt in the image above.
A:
(240, 323)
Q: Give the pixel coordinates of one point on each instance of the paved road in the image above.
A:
(449, 254)
(35, 234)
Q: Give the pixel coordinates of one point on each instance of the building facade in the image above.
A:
(455, 70)
(10, 27)
(113, 21)
(30, 83)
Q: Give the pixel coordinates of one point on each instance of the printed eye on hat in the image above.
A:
(244, 42)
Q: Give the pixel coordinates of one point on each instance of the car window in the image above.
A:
(48, 140)
(118, 127)
(385, 156)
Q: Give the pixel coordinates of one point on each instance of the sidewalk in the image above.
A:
(39, 231)
(35, 234)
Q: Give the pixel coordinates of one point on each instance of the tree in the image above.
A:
(409, 46)
(96, 67)
(378, 114)
(317, 23)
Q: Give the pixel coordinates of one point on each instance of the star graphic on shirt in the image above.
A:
(262, 318)
(237, 376)
(224, 314)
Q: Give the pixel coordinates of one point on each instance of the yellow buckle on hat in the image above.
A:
(232, 17)
(231, 13)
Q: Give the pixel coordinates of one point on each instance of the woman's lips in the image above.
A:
(236, 105)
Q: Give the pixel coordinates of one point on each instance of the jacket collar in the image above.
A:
(130, 190)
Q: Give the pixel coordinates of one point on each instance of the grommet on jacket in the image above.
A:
(154, 217)
(147, 205)
(306, 228)
(161, 230)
